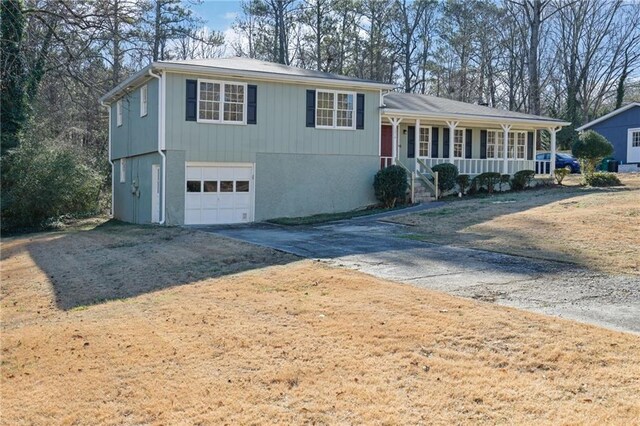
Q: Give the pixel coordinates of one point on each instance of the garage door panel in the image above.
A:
(193, 200)
(194, 173)
(219, 194)
(209, 200)
(210, 173)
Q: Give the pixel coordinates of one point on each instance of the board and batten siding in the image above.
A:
(616, 130)
(281, 126)
(137, 135)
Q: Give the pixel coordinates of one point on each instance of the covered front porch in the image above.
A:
(473, 146)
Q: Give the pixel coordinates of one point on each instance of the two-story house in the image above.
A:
(239, 140)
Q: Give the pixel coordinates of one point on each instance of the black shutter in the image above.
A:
(311, 108)
(434, 142)
(483, 144)
(252, 104)
(192, 100)
(360, 111)
(468, 144)
(445, 142)
(411, 142)
(530, 146)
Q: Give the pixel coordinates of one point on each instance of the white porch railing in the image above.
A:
(475, 166)
(385, 162)
(543, 167)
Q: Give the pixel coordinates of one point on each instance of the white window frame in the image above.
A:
(335, 110)
(499, 144)
(221, 120)
(632, 132)
(428, 130)
(119, 113)
(464, 142)
(123, 170)
(144, 100)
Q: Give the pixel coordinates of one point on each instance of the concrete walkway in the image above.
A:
(385, 250)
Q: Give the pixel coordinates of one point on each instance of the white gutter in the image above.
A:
(109, 158)
(138, 78)
(543, 123)
(161, 142)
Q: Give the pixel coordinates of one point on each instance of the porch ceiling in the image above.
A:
(467, 120)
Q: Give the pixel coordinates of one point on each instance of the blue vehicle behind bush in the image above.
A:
(563, 161)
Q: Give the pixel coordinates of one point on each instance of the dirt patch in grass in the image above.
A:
(295, 343)
(596, 228)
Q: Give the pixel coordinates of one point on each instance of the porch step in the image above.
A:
(422, 194)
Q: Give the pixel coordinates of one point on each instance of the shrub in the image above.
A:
(522, 179)
(560, 174)
(590, 149)
(390, 184)
(488, 180)
(504, 179)
(447, 174)
(463, 182)
(45, 180)
(602, 179)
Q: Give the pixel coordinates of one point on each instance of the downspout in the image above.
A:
(109, 158)
(161, 141)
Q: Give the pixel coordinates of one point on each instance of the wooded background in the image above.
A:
(574, 60)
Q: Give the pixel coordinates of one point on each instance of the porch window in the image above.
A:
(221, 102)
(335, 110)
(511, 145)
(424, 148)
(458, 143)
(516, 145)
(521, 147)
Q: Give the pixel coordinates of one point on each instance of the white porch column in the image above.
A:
(417, 144)
(505, 148)
(552, 158)
(395, 122)
(452, 130)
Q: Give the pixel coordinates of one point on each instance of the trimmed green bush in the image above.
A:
(390, 185)
(560, 174)
(447, 174)
(487, 180)
(590, 149)
(463, 182)
(522, 179)
(602, 179)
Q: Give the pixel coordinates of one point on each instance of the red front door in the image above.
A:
(386, 150)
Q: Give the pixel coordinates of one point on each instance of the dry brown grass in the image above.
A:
(296, 343)
(597, 228)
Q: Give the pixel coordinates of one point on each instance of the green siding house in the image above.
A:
(235, 140)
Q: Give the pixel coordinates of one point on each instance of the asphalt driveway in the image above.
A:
(385, 250)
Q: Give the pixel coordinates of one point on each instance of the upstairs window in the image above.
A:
(119, 113)
(143, 100)
(335, 110)
(221, 102)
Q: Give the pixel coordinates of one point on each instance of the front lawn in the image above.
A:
(191, 339)
(595, 227)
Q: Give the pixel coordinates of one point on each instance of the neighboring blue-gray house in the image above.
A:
(622, 128)
(239, 140)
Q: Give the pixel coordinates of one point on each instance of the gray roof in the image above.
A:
(260, 66)
(426, 105)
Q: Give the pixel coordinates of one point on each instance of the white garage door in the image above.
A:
(218, 194)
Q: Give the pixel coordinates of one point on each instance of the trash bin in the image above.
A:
(612, 166)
